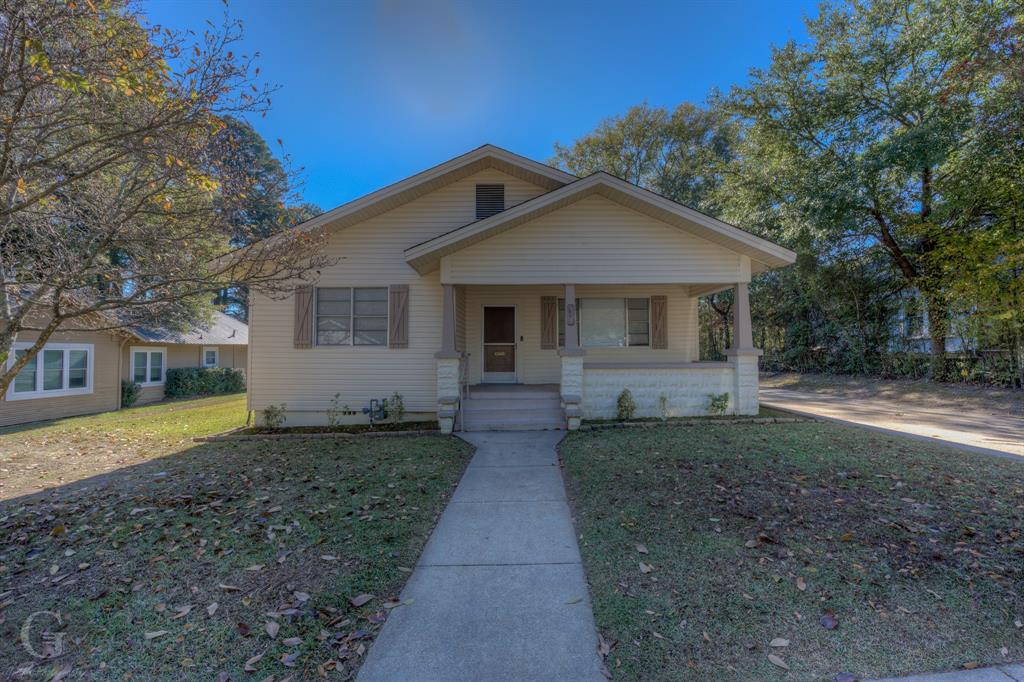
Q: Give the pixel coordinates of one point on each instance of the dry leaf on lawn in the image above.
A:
(800, 584)
(182, 611)
(642, 549)
(775, 660)
(360, 600)
(645, 568)
(212, 608)
(155, 633)
(778, 642)
(272, 627)
(250, 665)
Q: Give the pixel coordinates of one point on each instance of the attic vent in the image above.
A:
(490, 199)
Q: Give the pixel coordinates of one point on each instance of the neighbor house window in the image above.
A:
(58, 369)
(148, 366)
(609, 322)
(352, 316)
(211, 356)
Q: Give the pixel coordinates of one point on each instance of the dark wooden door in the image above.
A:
(499, 343)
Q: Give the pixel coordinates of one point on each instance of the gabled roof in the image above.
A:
(392, 196)
(223, 330)
(426, 257)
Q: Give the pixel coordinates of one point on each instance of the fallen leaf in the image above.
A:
(778, 642)
(1004, 651)
(829, 621)
(212, 608)
(250, 665)
(272, 627)
(243, 629)
(360, 600)
(229, 588)
(971, 665)
(645, 568)
(642, 549)
(155, 633)
(575, 600)
(182, 611)
(289, 660)
(775, 660)
(800, 584)
(292, 641)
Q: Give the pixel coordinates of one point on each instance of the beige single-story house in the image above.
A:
(80, 372)
(493, 291)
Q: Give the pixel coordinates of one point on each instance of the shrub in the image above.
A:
(190, 381)
(129, 392)
(718, 403)
(626, 406)
(396, 407)
(274, 415)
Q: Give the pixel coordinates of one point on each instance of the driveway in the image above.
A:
(499, 593)
(974, 428)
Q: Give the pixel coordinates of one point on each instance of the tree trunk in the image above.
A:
(938, 328)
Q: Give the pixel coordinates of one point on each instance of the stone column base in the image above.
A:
(448, 377)
(745, 397)
(572, 387)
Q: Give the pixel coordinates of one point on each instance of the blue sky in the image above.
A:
(372, 92)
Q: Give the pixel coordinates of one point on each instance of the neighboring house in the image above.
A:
(151, 352)
(909, 329)
(80, 372)
(449, 288)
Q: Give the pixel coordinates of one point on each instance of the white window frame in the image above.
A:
(580, 306)
(90, 361)
(352, 318)
(148, 350)
(216, 355)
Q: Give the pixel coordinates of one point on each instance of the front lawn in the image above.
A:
(855, 551)
(44, 454)
(232, 560)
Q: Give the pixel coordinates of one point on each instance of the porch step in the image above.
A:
(512, 408)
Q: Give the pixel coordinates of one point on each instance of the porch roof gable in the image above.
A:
(426, 257)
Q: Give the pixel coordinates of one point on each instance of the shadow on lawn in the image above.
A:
(193, 564)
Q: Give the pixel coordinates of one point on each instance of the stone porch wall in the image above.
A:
(686, 389)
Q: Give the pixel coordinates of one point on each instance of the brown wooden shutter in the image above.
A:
(398, 316)
(548, 322)
(659, 322)
(304, 317)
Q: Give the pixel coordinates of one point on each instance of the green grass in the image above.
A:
(44, 454)
(917, 549)
(285, 532)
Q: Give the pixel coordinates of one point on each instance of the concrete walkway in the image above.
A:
(999, 673)
(499, 593)
(990, 433)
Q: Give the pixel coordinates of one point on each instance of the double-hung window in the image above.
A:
(609, 322)
(352, 316)
(58, 369)
(211, 356)
(148, 365)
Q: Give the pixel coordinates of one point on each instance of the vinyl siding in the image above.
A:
(370, 253)
(593, 241)
(535, 365)
(184, 355)
(106, 390)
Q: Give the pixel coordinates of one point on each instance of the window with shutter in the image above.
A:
(490, 199)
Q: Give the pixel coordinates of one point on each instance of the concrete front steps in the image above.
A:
(512, 407)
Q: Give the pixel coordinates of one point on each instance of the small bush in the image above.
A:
(718, 403)
(274, 415)
(396, 408)
(626, 406)
(129, 392)
(191, 381)
(663, 407)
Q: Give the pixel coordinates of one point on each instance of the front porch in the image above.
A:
(557, 370)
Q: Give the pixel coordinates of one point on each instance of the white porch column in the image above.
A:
(449, 365)
(743, 355)
(572, 363)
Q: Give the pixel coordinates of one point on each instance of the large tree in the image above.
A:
(852, 135)
(114, 210)
(264, 201)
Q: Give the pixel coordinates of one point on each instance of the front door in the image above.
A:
(499, 344)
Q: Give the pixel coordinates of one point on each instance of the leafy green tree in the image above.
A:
(680, 154)
(850, 138)
(264, 198)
